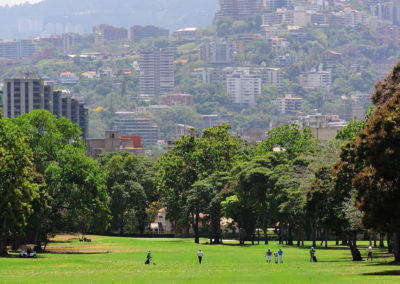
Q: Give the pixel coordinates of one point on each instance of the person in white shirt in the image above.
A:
(200, 255)
(369, 253)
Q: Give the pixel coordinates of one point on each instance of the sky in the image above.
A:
(14, 2)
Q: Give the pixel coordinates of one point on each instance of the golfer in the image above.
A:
(369, 253)
(280, 253)
(269, 255)
(200, 255)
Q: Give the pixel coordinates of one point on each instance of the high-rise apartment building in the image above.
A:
(138, 33)
(239, 9)
(16, 49)
(104, 33)
(157, 71)
(24, 95)
(243, 87)
(217, 54)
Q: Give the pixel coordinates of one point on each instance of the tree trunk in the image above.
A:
(381, 240)
(337, 240)
(326, 238)
(374, 239)
(196, 228)
(265, 225)
(3, 246)
(314, 243)
(290, 237)
(389, 241)
(396, 247)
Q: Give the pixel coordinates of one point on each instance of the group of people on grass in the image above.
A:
(268, 254)
(279, 253)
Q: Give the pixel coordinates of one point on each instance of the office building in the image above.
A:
(239, 9)
(215, 119)
(16, 49)
(104, 33)
(323, 127)
(114, 143)
(177, 99)
(138, 33)
(157, 71)
(24, 95)
(217, 54)
(127, 124)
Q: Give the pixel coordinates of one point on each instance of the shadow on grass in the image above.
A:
(78, 252)
(383, 273)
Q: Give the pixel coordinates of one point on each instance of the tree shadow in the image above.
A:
(383, 273)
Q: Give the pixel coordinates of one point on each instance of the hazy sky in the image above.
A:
(13, 2)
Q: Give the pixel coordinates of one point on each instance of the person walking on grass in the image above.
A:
(200, 255)
(369, 249)
(312, 254)
(280, 253)
(269, 255)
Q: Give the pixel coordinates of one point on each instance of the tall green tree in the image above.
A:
(78, 188)
(17, 183)
(130, 186)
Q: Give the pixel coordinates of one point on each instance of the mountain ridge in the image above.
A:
(29, 20)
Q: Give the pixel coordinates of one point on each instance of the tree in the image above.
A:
(78, 187)
(205, 197)
(372, 159)
(130, 187)
(47, 136)
(193, 159)
(254, 185)
(17, 186)
(291, 139)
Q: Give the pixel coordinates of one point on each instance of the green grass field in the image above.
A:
(118, 260)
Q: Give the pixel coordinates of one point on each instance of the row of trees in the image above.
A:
(292, 182)
(47, 184)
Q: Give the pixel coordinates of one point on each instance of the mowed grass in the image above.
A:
(121, 260)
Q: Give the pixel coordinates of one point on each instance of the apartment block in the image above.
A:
(138, 33)
(104, 33)
(317, 79)
(288, 104)
(243, 87)
(157, 71)
(217, 54)
(24, 95)
(16, 49)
